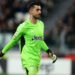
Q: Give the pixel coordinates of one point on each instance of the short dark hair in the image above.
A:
(30, 5)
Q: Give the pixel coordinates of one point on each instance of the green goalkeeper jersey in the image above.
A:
(34, 41)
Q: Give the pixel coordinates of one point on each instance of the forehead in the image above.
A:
(37, 6)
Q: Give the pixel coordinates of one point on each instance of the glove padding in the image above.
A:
(53, 57)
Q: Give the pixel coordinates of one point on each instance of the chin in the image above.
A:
(36, 17)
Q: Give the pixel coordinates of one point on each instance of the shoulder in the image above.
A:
(41, 22)
(22, 25)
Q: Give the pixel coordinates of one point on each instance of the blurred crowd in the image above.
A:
(63, 32)
(13, 12)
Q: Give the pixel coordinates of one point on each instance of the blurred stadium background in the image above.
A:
(58, 16)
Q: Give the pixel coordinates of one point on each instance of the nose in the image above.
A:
(39, 11)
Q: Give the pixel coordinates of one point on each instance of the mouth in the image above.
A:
(39, 15)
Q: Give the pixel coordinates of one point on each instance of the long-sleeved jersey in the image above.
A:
(34, 41)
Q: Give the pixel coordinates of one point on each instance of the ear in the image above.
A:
(30, 11)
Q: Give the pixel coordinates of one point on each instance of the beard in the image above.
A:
(36, 17)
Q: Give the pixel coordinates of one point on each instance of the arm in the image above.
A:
(45, 48)
(49, 51)
(13, 41)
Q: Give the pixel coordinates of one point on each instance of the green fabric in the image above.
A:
(32, 70)
(34, 42)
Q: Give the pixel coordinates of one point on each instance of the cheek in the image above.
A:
(35, 13)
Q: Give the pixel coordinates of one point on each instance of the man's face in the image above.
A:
(36, 11)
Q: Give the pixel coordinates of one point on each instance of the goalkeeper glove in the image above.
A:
(52, 55)
(1, 54)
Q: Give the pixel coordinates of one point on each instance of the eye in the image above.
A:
(38, 9)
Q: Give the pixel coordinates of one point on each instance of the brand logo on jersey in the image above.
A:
(15, 34)
(37, 38)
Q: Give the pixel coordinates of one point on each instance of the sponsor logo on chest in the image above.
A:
(37, 38)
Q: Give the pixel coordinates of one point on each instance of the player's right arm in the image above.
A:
(15, 38)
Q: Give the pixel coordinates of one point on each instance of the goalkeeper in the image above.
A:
(33, 32)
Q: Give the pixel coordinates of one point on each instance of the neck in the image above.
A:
(33, 20)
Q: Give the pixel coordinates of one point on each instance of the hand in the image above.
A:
(53, 57)
(1, 54)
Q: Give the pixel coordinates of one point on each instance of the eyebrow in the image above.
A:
(38, 9)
